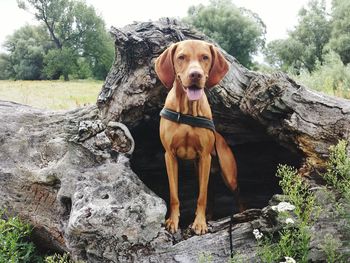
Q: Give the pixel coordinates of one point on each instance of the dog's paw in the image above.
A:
(199, 226)
(172, 225)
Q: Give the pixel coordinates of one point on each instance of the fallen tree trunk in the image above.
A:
(82, 179)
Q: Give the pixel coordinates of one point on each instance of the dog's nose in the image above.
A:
(195, 75)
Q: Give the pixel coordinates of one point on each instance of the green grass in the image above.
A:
(53, 95)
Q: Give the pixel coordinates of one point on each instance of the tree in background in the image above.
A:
(305, 46)
(313, 32)
(239, 31)
(285, 54)
(27, 48)
(340, 40)
(5, 67)
(60, 62)
(76, 32)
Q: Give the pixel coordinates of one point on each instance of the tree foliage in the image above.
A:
(5, 67)
(340, 40)
(60, 62)
(239, 31)
(305, 45)
(27, 48)
(71, 41)
(332, 77)
(285, 55)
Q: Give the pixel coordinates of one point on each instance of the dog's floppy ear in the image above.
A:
(219, 67)
(164, 66)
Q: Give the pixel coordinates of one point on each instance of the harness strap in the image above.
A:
(178, 117)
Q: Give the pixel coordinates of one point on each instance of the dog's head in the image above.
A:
(196, 64)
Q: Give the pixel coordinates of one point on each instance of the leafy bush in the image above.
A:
(330, 246)
(332, 77)
(293, 240)
(58, 259)
(337, 176)
(338, 168)
(297, 191)
(15, 246)
(14, 243)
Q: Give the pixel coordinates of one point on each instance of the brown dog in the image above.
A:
(187, 68)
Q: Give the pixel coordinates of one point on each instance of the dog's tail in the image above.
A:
(227, 162)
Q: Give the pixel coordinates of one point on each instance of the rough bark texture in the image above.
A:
(69, 173)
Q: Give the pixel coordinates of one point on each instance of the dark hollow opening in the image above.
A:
(256, 161)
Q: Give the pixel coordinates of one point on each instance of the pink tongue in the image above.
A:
(194, 94)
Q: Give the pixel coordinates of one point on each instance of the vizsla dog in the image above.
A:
(187, 68)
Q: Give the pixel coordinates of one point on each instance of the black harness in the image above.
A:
(200, 122)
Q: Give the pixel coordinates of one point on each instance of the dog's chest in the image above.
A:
(188, 142)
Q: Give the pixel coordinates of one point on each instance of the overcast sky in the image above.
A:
(278, 15)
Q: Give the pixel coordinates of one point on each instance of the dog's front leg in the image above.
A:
(200, 225)
(172, 222)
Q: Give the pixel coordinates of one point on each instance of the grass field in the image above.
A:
(53, 95)
(64, 95)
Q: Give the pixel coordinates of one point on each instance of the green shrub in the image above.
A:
(14, 244)
(293, 240)
(338, 168)
(337, 176)
(297, 192)
(332, 77)
(65, 258)
(330, 246)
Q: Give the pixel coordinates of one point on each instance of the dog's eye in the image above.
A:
(205, 57)
(181, 57)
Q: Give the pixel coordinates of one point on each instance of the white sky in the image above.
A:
(278, 15)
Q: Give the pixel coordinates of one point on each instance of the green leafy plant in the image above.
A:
(338, 168)
(294, 238)
(205, 257)
(16, 247)
(337, 175)
(57, 258)
(331, 77)
(14, 243)
(297, 191)
(330, 246)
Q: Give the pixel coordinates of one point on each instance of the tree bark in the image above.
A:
(72, 174)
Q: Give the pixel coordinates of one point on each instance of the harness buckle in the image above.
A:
(178, 117)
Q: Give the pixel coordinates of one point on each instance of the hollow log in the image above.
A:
(92, 181)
